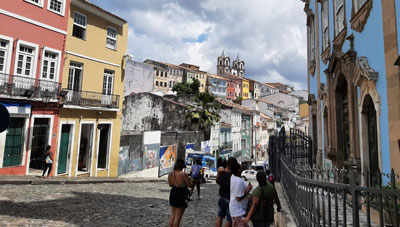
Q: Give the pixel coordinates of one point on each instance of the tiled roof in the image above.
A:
(234, 105)
(216, 76)
(276, 85)
(99, 8)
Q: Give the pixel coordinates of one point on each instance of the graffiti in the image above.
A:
(125, 164)
(167, 159)
(150, 155)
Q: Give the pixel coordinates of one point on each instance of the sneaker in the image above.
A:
(199, 197)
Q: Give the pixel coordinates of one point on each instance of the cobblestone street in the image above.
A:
(118, 204)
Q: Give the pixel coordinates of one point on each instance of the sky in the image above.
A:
(268, 35)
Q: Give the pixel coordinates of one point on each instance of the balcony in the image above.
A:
(27, 87)
(226, 145)
(90, 99)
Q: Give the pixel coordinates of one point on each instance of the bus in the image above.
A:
(208, 161)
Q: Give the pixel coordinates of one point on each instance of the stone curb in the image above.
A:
(91, 181)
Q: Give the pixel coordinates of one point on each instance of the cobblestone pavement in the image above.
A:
(119, 204)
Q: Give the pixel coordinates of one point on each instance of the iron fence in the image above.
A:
(318, 196)
(89, 98)
(12, 85)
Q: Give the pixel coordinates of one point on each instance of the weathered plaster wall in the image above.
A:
(139, 77)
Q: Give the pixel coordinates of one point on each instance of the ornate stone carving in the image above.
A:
(364, 70)
(359, 19)
(339, 39)
(326, 54)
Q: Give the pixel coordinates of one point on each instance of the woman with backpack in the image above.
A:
(261, 212)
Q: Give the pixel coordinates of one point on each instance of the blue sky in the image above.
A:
(269, 35)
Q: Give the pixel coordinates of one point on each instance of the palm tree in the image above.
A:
(205, 112)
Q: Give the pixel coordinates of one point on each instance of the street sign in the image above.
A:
(5, 118)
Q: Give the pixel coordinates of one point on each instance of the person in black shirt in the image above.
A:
(224, 182)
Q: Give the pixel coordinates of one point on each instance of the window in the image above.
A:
(75, 76)
(358, 4)
(111, 38)
(36, 2)
(339, 16)
(49, 66)
(312, 40)
(156, 83)
(79, 29)
(56, 6)
(108, 81)
(325, 24)
(156, 73)
(165, 84)
(4, 45)
(25, 61)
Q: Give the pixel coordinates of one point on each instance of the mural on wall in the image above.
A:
(167, 159)
(189, 147)
(126, 164)
(205, 146)
(151, 148)
(150, 155)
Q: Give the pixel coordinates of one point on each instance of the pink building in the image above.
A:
(32, 45)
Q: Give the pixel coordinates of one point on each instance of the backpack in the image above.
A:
(196, 172)
(271, 179)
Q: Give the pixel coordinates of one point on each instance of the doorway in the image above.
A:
(342, 121)
(85, 148)
(369, 121)
(104, 141)
(64, 149)
(40, 139)
(13, 150)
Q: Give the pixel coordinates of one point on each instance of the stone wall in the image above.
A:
(148, 112)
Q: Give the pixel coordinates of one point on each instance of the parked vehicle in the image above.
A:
(208, 161)
(249, 174)
(260, 166)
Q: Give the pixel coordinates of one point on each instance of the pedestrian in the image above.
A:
(270, 177)
(264, 195)
(238, 196)
(224, 181)
(179, 181)
(47, 161)
(197, 176)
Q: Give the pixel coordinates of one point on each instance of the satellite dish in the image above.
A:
(5, 118)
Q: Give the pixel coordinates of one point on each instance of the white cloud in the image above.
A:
(270, 35)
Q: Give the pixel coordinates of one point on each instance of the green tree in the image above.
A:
(205, 112)
(238, 100)
(187, 88)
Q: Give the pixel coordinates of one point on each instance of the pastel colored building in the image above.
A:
(353, 83)
(217, 85)
(90, 120)
(32, 38)
(245, 89)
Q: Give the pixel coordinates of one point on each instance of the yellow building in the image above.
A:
(202, 77)
(93, 84)
(245, 89)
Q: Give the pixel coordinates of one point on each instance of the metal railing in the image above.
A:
(12, 85)
(92, 99)
(318, 196)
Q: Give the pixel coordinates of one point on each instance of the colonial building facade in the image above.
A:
(353, 83)
(90, 120)
(32, 37)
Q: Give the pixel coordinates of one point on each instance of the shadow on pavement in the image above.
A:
(93, 209)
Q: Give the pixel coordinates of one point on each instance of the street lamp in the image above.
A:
(46, 96)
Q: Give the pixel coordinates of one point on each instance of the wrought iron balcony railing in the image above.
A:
(21, 86)
(91, 99)
(227, 145)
